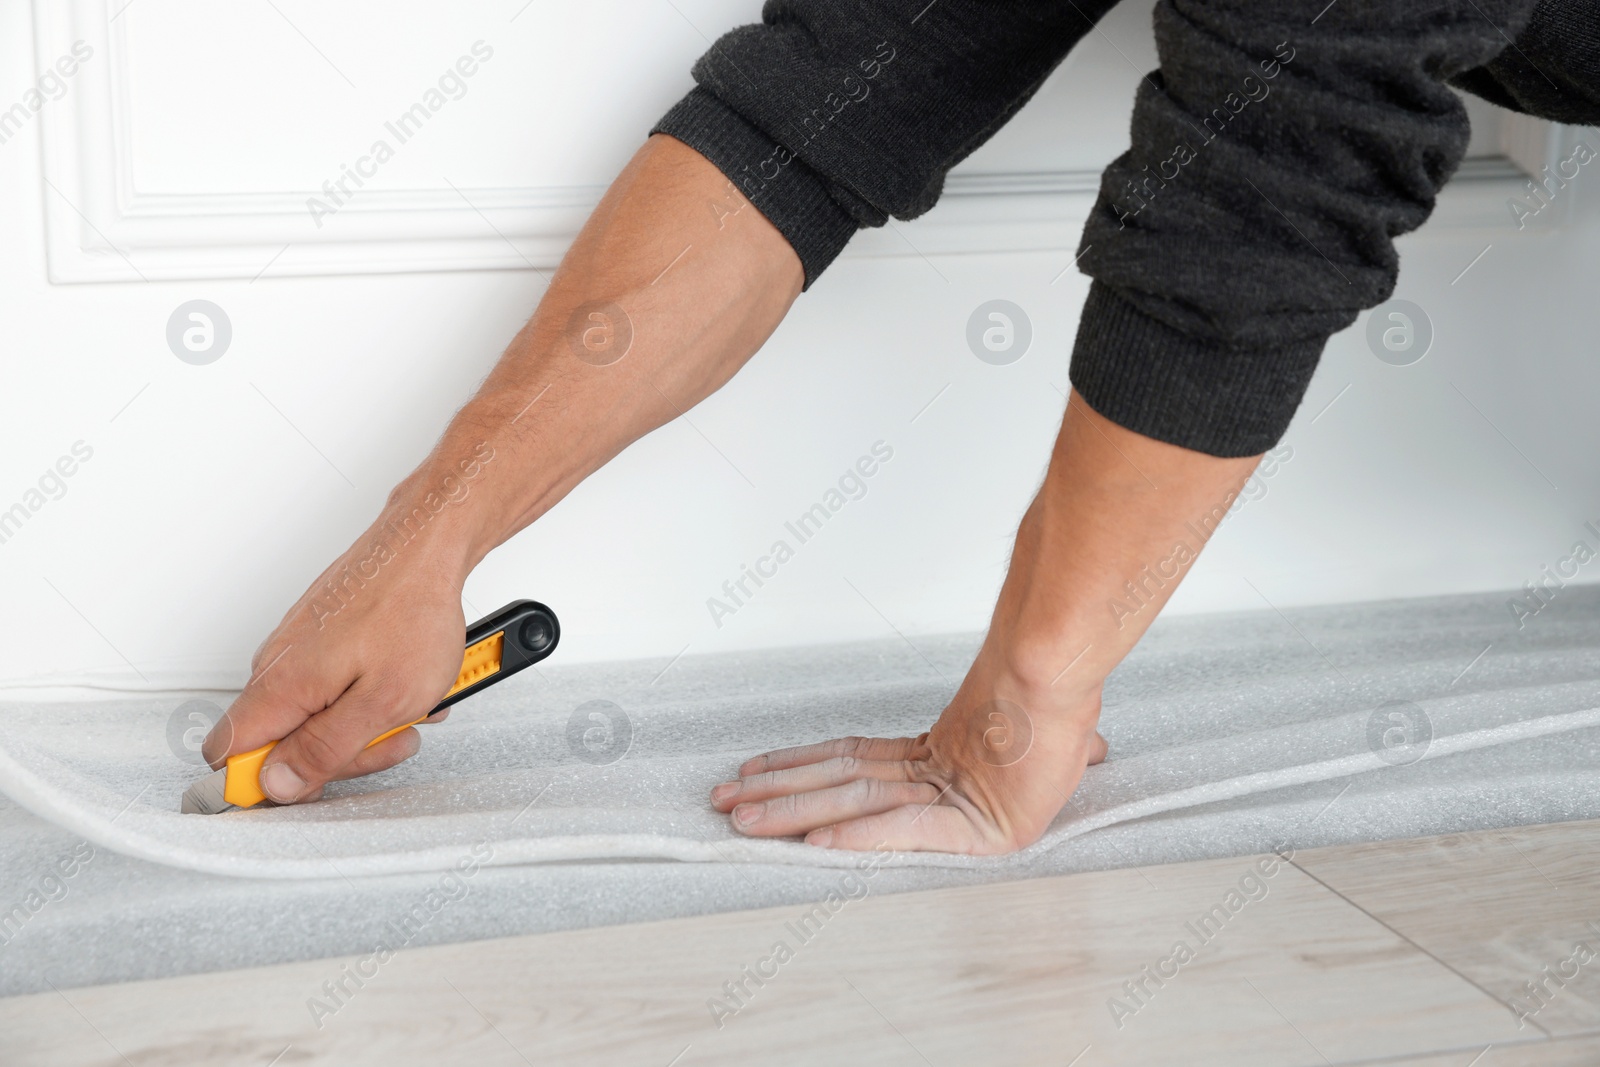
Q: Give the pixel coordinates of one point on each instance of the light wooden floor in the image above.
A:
(1408, 952)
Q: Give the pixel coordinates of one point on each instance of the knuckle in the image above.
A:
(385, 688)
(316, 754)
(785, 805)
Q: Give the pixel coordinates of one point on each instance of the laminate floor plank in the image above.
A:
(1080, 969)
(1517, 911)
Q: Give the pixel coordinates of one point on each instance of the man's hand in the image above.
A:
(1113, 530)
(987, 779)
(369, 647)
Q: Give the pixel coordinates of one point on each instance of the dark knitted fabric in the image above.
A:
(866, 102)
(1554, 70)
(784, 189)
(1273, 163)
(1276, 154)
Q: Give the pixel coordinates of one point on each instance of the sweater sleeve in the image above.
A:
(832, 115)
(1274, 160)
(1554, 69)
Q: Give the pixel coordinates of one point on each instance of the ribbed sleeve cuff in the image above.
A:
(1148, 377)
(784, 189)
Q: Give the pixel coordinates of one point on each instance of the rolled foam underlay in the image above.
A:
(1207, 712)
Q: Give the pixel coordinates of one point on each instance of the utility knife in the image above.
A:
(517, 636)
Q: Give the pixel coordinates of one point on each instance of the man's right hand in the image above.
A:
(370, 646)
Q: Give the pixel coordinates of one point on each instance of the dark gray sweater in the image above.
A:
(1276, 153)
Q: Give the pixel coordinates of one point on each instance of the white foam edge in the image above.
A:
(49, 803)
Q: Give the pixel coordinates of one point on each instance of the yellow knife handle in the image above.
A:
(524, 632)
(243, 788)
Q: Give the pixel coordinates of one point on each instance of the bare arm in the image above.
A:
(690, 285)
(1117, 512)
(673, 284)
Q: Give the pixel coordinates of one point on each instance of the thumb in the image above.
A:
(326, 743)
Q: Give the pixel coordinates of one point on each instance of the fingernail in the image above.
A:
(724, 791)
(821, 838)
(281, 784)
(753, 765)
(746, 814)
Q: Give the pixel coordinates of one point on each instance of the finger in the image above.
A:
(806, 778)
(263, 712)
(912, 828)
(330, 740)
(1098, 749)
(380, 757)
(797, 813)
(867, 748)
(257, 717)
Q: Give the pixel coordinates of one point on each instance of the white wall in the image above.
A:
(215, 493)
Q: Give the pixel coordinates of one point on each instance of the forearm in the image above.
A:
(1112, 532)
(672, 285)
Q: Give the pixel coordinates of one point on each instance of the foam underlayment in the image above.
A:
(1228, 734)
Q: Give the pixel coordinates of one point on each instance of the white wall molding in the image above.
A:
(101, 228)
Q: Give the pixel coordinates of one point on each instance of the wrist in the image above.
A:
(439, 511)
(1043, 632)
(1059, 666)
